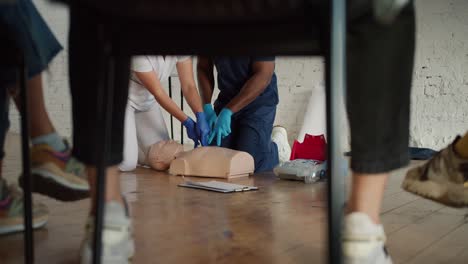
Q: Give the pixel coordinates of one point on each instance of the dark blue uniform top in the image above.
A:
(233, 73)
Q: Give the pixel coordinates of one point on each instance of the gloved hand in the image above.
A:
(210, 115)
(191, 128)
(203, 130)
(222, 127)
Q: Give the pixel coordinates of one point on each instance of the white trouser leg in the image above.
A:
(150, 128)
(130, 156)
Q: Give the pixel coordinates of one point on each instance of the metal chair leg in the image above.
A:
(28, 222)
(336, 80)
(182, 108)
(170, 95)
(105, 95)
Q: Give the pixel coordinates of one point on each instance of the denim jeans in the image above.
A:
(36, 41)
(251, 132)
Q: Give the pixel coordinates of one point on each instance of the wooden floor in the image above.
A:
(283, 222)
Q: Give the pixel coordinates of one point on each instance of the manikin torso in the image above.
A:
(203, 161)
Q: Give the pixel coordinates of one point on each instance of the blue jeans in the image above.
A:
(251, 132)
(35, 40)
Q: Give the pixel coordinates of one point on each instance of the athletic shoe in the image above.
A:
(363, 241)
(57, 174)
(443, 179)
(117, 241)
(279, 135)
(11, 210)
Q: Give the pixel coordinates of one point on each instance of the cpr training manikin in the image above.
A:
(214, 162)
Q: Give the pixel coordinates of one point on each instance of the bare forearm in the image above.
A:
(152, 84)
(206, 88)
(251, 90)
(205, 80)
(166, 102)
(193, 98)
(189, 88)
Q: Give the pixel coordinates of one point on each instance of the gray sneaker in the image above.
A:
(117, 242)
(443, 179)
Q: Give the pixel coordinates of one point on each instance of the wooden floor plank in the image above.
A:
(460, 258)
(397, 200)
(448, 248)
(407, 214)
(414, 238)
(284, 222)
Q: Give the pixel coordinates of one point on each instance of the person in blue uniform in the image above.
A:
(244, 112)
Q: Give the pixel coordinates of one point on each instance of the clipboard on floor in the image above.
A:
(217, 186)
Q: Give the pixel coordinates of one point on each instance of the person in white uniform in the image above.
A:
(144, 122)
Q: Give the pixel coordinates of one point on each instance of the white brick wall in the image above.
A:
(440, 94)
(440, 87)
(296, 78)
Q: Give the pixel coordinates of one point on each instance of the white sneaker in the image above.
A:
(117, 242)
(363, 241)
(279, 135)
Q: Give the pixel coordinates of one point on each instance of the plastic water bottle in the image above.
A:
(315, 173)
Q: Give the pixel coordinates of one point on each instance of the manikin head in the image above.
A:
(162, 153)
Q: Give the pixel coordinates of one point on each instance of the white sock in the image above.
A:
(52, 139)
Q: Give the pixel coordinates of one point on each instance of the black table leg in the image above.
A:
(170, 95)
(105, 95)
(28, 223)
(182, 108)
(335, 81)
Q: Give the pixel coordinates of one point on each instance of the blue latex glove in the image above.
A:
(223, 126)
(191, 128)
(210, 115)
(203, 130)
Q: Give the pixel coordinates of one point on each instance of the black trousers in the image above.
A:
(379, 73)
(87, 69)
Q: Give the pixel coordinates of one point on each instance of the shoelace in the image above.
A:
(75, 167)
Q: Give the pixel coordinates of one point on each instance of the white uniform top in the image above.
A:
(139, 97)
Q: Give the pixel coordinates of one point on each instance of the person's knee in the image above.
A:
(264, 152)
(250, 147)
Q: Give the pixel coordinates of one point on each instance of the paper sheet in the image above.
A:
(218, 186)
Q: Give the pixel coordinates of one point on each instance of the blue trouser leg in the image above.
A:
(32, 35)
(251, 132)
(26, 30)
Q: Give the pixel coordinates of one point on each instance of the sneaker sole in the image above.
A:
(87, 256)
(448, 194)
(6, 229)
(360, 261)
(50, 185)
(376, 256)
